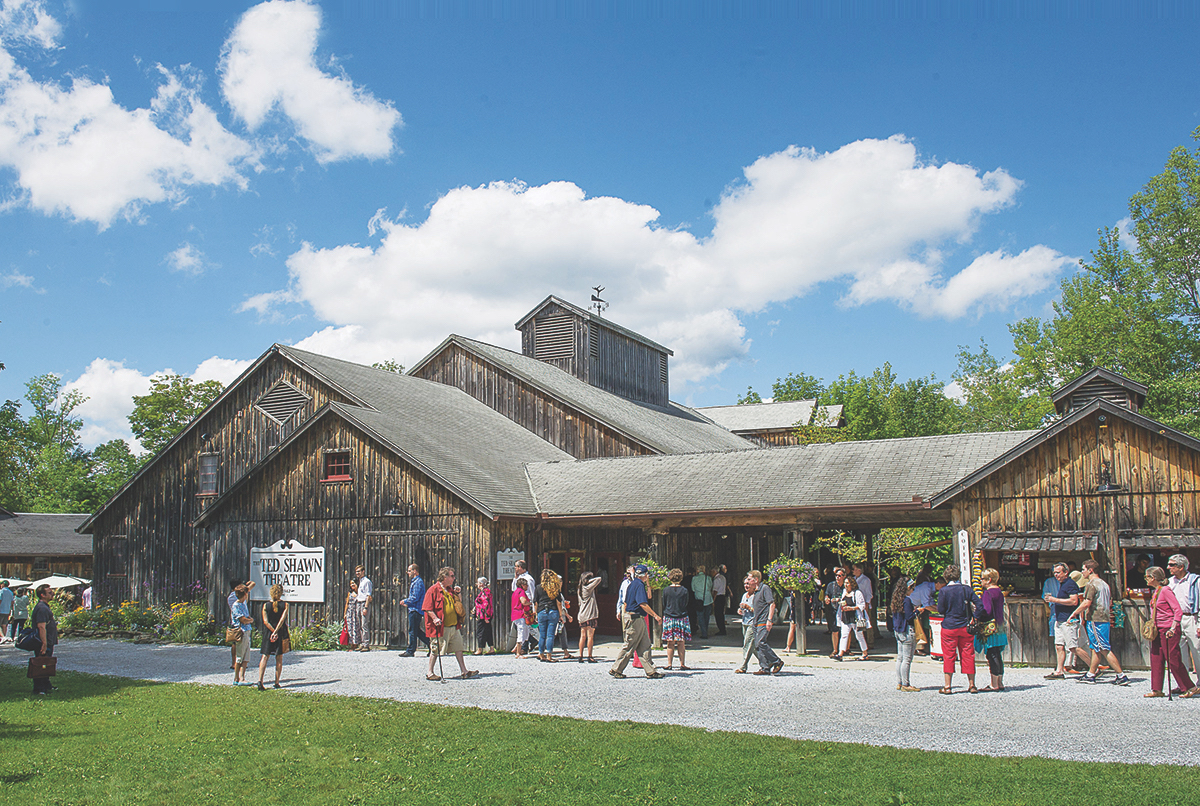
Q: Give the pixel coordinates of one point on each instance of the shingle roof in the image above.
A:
(449, 434)
(770, 416)
(588, 316)
(43, 535)
(888, 471)
(673, 429)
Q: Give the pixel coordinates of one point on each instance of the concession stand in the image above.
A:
(1103, 482)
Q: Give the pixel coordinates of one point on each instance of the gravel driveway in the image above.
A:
(813, 698)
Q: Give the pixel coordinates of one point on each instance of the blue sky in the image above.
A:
(764, 187)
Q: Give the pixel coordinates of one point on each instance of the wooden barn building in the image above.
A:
(35, 545)
(572, 452)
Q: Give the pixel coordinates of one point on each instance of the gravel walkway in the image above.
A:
(813, 698)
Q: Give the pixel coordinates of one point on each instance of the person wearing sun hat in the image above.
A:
(636, 636)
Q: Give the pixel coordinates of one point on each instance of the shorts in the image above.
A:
(1098, 636)
(592, 622)
(451, 643)
(242, 647)
(1066, 634)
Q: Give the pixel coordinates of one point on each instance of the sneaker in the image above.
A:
(1087, 678)
(1120, 680)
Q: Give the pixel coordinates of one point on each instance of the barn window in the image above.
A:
(281, 402)
(337, 466)
(208, 474)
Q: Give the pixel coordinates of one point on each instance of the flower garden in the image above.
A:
(181, 623)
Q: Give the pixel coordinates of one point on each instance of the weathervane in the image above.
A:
(600, 305)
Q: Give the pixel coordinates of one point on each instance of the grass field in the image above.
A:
(102, 740)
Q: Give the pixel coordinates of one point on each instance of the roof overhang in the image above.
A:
(899, 514)
(1060, 395)
(1054, 429)
(1040, 541)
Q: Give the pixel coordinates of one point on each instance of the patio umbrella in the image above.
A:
(56, 581)
(13, 582)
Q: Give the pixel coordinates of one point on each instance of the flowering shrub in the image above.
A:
(658, 574)
(791, 574)
(317, 635)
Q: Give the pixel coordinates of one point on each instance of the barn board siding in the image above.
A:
(561, 425)
(288, 500)
(166, 559)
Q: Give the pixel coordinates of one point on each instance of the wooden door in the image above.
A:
(568, 565)
(610, 566)
(385, 556)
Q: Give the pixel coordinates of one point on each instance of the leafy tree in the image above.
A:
(751, 396)
(13, 457)
(797, 386)
(1134, 312)
(390, 365)
(876, 407)
(52, 421)
(995, 399)
(173, 402)
(112, 464)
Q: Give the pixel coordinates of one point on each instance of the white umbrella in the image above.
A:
(56, 581)
(16, 583)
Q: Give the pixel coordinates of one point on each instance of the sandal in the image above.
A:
(863, 657)
(432, 677)
(683, 668)
(945, 690)
(1150, 694)
(972, 690)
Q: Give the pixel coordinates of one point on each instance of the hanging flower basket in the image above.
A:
(791, 574)
(657, 578)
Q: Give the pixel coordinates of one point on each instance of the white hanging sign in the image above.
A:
(299, 569)
(506, 563)
(964, 557)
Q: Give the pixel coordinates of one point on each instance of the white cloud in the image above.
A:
(187, 259)
(871, 215)
(270, 63)
(27, 22)
(1126, 236)
(110, 387)
(76, 152)
(19, 280)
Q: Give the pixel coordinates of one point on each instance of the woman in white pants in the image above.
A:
(852, 608)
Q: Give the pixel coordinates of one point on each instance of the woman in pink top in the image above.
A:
(1164, 650)
(521, 607)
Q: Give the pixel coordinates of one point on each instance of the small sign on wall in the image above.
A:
(964, 557)
(506, 563)
(299, 569)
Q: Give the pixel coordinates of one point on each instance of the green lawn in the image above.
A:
(107, 740)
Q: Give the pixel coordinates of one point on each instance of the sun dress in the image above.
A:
(353, 623)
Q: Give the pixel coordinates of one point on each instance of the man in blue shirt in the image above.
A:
(1066, 630)
(416, 595)
(637, 637)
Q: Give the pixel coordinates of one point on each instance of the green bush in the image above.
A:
(317, 636)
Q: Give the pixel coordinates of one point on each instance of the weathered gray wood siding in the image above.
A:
(288, 500)
(563, 426)
(145, 547)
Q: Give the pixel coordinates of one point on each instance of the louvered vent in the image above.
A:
(281, 402)
(594, 342)
(554, 337)
(662, 367)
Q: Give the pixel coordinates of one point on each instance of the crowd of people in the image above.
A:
(971, 623)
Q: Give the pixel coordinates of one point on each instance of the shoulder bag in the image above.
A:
(29, 640)
(1149, 630)
(233, 635)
